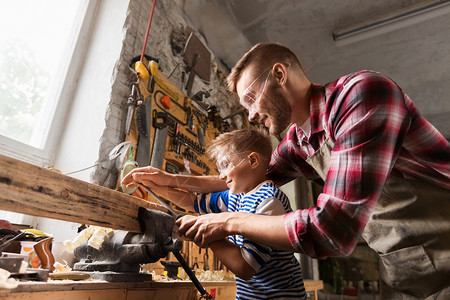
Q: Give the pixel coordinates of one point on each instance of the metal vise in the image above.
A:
(120, 255)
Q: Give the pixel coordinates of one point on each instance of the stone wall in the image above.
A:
(168, 18)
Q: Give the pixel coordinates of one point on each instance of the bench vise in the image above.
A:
(121, 254)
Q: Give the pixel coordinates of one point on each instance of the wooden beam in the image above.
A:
(32, 190)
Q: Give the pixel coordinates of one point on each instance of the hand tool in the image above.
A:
(201, 136)
(195, 265)
(159, 145)
(205, 260)
(161, 201)
(133, 98)
(204, 294)
(144, 121)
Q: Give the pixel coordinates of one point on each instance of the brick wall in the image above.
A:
(168, 16)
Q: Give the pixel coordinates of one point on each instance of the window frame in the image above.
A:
(64, 92)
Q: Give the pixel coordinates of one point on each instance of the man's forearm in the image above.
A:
(198, 184)
(268, 230)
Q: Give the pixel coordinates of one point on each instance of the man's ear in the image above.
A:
(255, 159)
(280, 73)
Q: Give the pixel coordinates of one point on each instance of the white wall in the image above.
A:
(80, 142)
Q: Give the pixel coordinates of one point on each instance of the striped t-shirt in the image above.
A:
(278, 274)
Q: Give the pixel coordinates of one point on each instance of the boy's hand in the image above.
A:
(203, 229)
(148, 176)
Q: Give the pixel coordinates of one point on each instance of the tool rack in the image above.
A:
(183, 149)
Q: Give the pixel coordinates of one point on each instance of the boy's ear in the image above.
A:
(255, 159)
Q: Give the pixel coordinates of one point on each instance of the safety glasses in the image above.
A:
(225, 164)
(250, 97)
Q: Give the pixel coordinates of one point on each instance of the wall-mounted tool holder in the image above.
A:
(179, 131)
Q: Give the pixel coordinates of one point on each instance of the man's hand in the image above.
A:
(148, 176)
(204, 229)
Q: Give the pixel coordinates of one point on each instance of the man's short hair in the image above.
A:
(242, 140)
(261, 56)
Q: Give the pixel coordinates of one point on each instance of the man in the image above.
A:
(385, 171)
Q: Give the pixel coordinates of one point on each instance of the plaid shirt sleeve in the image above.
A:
(367, 119)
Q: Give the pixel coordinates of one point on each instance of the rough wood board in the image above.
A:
(29, 189)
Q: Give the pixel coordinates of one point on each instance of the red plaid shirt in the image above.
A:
(377, 131)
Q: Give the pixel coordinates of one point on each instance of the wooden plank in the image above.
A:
(32, 190)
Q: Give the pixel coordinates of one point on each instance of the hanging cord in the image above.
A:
(148, 30)
(113, 154)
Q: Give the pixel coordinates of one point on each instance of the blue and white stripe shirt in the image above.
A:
(278, 274)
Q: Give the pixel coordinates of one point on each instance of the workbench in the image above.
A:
(102, 290)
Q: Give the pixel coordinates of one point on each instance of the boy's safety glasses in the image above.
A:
(226, 163)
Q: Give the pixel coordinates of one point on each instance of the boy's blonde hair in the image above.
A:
(242, 140)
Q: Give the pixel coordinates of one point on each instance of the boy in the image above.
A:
(242, 159)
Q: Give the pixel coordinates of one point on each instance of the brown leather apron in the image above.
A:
(410, 229)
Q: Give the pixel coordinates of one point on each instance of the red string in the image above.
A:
(148, 30)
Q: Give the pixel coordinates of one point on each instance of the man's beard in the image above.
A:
(279, 112)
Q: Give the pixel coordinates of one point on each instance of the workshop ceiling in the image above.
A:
(416, 57)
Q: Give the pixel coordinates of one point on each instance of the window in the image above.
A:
(42, 44)
(41, 52)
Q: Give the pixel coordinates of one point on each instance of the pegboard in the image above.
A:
(184, 129)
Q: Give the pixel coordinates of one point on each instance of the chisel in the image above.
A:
(161, 201)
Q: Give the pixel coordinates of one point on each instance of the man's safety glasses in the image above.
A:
(249, 97)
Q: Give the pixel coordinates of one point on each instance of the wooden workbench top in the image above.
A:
(70, 285)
